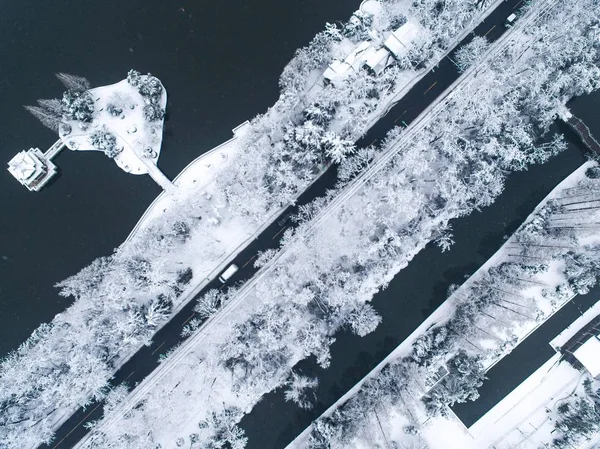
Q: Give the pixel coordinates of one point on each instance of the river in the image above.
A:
(417, 290)
(220, 64)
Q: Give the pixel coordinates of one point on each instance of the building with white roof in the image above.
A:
(31, 168)
(378, 60)
(366, 55)
(400, 41)
(588, 355)
(579, 343)
(353, 62)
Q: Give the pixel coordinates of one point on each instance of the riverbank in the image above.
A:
(539, 287)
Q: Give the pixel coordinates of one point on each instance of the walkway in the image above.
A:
(54, 149)
(584, 133)
(158, 176)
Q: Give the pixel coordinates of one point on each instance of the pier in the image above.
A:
(34, 169)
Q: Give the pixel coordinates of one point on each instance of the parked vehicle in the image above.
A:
(228, 273)
(510, 19)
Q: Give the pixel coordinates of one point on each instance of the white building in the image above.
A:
(353, 62)
(377, 60)
(580, 342)
(374, 59)
(400, 41)
(31, 168)
(588, 355)
(366, 55)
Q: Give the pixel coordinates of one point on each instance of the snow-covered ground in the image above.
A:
(524, 419)
(139, 140)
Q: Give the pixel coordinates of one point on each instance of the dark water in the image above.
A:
(417, 291)
(220, 63)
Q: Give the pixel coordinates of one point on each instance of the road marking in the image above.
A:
(251, 259)
(158, 347)
(374, 140)
(280, 231)
(407, 110)
(129, 376)
(488, 31)
(221, 287)
(191, 316)
(516, 6)
(430, 87)
(73, 430)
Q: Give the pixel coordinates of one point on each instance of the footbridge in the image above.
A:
(584, 133)
(54, 149)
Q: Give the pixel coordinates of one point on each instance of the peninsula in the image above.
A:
(123, 120)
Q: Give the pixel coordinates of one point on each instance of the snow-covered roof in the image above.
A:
(589, 355)
(353, 61)
(561, 339)
(377, 60)
(336, 69)
(24, 166)
(399, 41)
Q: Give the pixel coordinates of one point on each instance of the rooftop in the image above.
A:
(588, 355)
(399, 42)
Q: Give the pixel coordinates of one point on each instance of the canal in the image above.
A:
(220, 64)
(417, 291)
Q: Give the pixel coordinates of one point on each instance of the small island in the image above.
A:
(123, 120)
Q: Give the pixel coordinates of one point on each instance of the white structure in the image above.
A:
(354, 61)
(32, 168)
(378, 60)
(364, 56)
(374, 59)
(588, 355)
(399, 42)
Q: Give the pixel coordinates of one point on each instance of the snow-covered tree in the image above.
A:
(209, 303)
(158, 311)
(336, 148)
(364, 320)
(466, 55)
(105, 141)
(78, 105)
(466, 375)
(300, 390)
(47, 117)
(148, 86)
(73, 82)
(153, 112)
